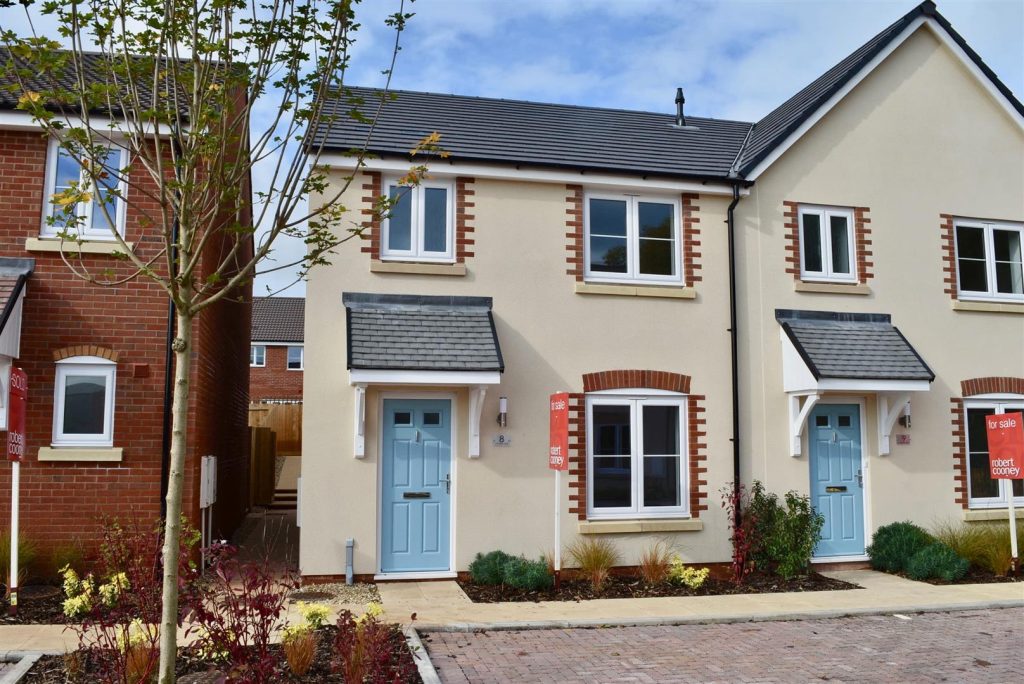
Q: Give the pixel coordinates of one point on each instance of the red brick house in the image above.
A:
(276, 358)
(99, 364)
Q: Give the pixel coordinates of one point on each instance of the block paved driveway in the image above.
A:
(969, 646)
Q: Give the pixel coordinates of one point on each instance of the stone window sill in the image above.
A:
(984, 514)
(83, 454)
(417, 268)
(832, 288)
(88, 247)
(664, 291)
(627, 526)
(991, 307)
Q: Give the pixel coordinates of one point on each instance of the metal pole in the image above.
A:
(15, 485)
(558, 528)
(1013, 531)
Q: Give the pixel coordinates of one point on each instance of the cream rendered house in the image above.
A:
(878, 311)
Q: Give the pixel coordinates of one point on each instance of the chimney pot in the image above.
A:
(680, 100)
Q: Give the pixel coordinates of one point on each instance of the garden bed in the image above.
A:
(35, 607)
(631, 587)
(51, 669)
(975, 575)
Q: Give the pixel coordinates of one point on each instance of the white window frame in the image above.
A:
(302, 357)
(92, 366)
(991, 294)
(86, 231)
(997, 405)
(824, 214)
(636, 399)
(418, 251)
(632, 274)
(254, 360)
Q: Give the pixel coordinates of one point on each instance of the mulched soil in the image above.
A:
(631, 587)
(50, 669)
(36, 606)
(979, 576)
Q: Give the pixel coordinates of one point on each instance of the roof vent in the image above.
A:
(680, 101)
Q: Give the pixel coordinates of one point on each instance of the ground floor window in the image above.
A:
(984, 491)
(83, 405)
(637, 455)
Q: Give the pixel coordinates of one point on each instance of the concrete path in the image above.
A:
(972, 646)
(444, 606)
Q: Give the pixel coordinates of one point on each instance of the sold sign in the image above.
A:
(1006, 445)
(16, 415)
(558, 448)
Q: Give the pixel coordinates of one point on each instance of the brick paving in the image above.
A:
(969, 646)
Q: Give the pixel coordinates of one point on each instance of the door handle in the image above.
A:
(448, 483)
(860, 478)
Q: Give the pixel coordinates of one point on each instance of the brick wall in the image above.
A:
(949, 273)
(275, 381)
(691, 239)
(574, 231)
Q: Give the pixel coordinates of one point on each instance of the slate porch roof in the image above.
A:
(427, 333)
(278, 319)
(13, 275)
(852, 346)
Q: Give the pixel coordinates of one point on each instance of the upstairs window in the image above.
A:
(103, 213)
(420, 225)
(988, 260)
(257, 356)
(632, 238)
(827, 244)
(295, 358)
(83, 405)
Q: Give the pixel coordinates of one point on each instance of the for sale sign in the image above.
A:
(558, 449)
(18, 400)
(1006, 445)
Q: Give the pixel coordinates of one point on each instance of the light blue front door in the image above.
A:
(416, 485)
(837, 483)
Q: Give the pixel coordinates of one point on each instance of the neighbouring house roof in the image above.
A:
(591, 138)
(852, 346)
(278, 319)
(413, 332)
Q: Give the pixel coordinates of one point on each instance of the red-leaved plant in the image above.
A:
(367, 650)
(742, 524)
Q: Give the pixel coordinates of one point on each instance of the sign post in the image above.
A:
(18, 398)
(1006, 461)
(558, 460)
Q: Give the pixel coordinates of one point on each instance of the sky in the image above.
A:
(735, 59)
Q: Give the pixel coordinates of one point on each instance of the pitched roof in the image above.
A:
(515, 131)
(413, 332)
(779, 124)
(278, 319)
(852, 346)
(13, 275)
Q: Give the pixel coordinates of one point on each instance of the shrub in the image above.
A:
(796, 532)
(489, 568)
(595, 557)
(654, 563)
(27, 554)
(984, 545)
(895, 544)
(763, 510)
(526, 574)
(680, 573)
(743, 536)
(367, 650)
(299, 644)
(936, 560)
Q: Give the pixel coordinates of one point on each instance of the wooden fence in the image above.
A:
(263, 457)
(286, 422)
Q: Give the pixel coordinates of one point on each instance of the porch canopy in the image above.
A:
(421, 340)
(14, 275)
(848, 353)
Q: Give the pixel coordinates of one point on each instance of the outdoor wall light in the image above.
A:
(904, 420)
(503, 411)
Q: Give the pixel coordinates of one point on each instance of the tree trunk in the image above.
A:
(172, 524)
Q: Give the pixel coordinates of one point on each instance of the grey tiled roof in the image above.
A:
(412, 332)
(278, 319)
(514, 131)
(852, 346)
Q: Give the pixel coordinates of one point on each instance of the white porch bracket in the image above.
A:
(359, 433)
(888, 413)
(798, 419)
(476, 406)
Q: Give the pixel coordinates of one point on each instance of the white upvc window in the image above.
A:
(637, 464)
(988, 260)
(827, 246)
(83, 402)
(421, 223)
(99, 217)
(632, 238)
(983, 491)
(257, 356)
(295, 355)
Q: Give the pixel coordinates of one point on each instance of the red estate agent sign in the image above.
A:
(16, 415)
(558, 450)
(1006, 446)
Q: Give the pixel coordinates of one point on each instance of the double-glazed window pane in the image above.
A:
(661, 449)
(400, 219)
(100, 213)
(989, 259)
(812, 243)
(84, 404)
(608, 241)
(981, 483)
(612, 476)
(104, 203)
(435, 220)
(657, 238)
(419, 222)
(840, 228)
(295, 358)
(67, 172)
(825, 243)
(970, 249)
(1009, 276)
(257, 355)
